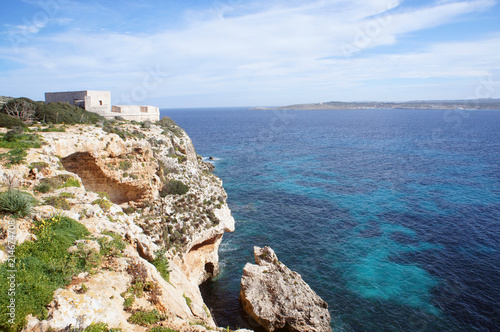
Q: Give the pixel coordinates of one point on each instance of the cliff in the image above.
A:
(153, 214)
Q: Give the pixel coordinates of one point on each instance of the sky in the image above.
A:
(226, 53)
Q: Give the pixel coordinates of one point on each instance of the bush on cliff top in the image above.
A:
(174, 187)
(64, 113)
(48, 113)
(8, 121)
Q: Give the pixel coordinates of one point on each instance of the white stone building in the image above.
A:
(100, 102)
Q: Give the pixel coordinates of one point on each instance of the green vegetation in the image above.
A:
(52, 128)
(162, 329)
(169, 126)
(64, 113)
(8, 121)
(17, 138)
(129, 300)
(84, 288)
(58, 202)
(25, 109)
(71, 182)
(67, 195)
(161, 264)
(103, 194)
(201, 323)
(146, 318)
(39, 165)
(174, 187)
(16, 202)
(18, 142)
(57, 182)
(166, 122)
(129, 210)
(111, 248)
(125, 165)
(104, 204)
(188, 300)
(42, 267)
(20, 108)
(109, 128)
(16, 156)
(99, 327)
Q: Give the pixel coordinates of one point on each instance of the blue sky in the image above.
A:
(251, 52)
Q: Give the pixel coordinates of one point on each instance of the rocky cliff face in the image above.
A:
(146, 184)
(276, 297)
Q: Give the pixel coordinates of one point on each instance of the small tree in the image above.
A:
(21, 109)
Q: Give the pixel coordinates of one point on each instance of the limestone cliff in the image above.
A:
(145, 183)
(276, 297)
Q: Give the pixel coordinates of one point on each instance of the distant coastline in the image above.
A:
(472, 104)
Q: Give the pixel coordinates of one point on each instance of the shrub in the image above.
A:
(162, 329)
(58, 202)
(17, 155)
(174, 187)
(8, 121)
(71, 182)
(99, 327)
(103, 194)
(67, 195)
(145, 318)
(43, 188)
(16, 202)
(42, 267)
(64, 113)
(161, 264)
(129, 210)
(21, 108)
(61, 181)
(188, 300)
(125, 165)
(165, 122)
(112, 247)
(104, 204)
(39, 165)
(129, 300)
(52, 128)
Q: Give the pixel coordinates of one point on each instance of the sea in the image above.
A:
(391, 216)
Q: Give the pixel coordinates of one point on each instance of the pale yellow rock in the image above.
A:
(276, 297)
(101, 303)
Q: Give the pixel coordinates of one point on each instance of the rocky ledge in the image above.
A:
(276, 297)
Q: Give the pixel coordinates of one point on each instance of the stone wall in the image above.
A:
(136, 112)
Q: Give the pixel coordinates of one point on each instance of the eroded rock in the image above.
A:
(276, 297)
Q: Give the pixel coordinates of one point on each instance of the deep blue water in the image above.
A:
(391, 216)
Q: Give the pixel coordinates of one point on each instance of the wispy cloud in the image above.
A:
(272, 48)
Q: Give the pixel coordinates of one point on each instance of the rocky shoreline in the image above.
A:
(142, 188)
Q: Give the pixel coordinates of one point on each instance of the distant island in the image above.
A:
(469, 104)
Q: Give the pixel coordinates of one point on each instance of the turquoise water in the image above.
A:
(392, 216)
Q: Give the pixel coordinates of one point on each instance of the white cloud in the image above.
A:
(270, 48)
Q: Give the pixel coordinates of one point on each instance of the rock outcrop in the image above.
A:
(276, 297)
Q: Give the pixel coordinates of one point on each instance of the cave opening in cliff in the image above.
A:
(209, 268)
(94, 179)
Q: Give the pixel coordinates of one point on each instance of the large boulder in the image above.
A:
(276, 297)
